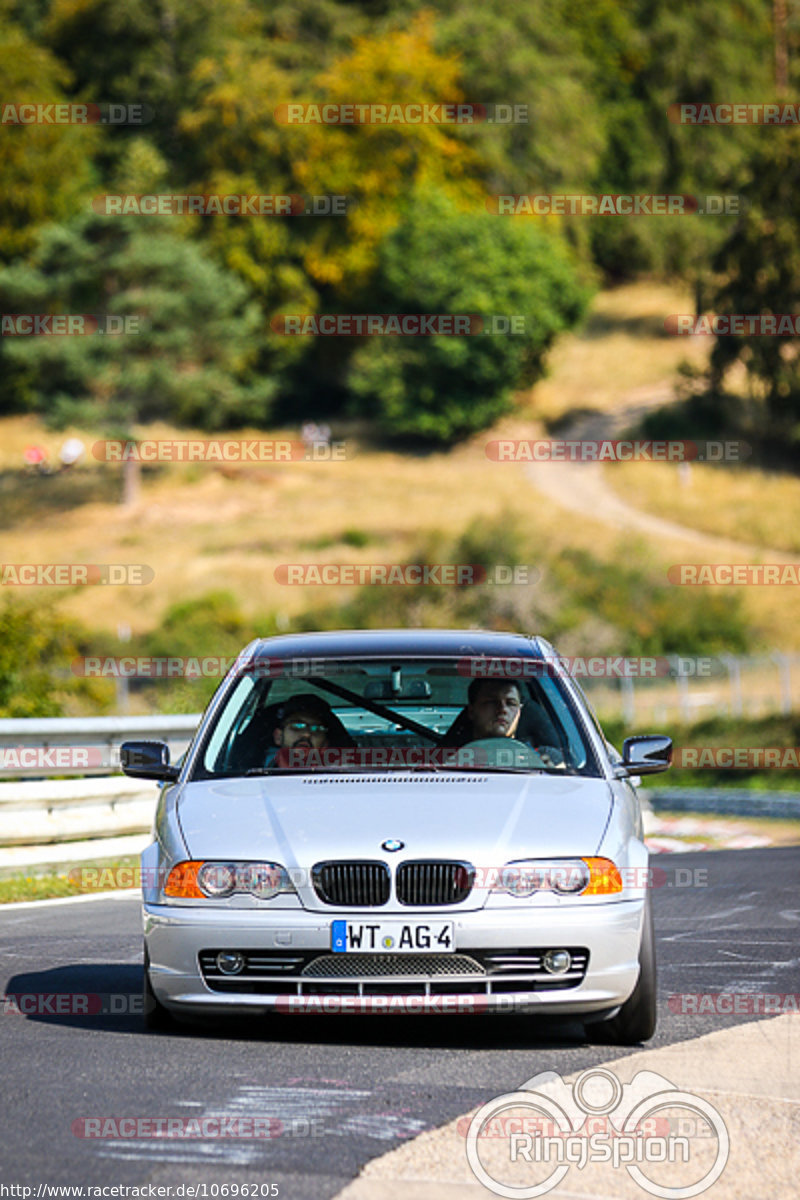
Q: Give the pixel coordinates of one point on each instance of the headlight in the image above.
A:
(562, 876)
(218, 880)
(263, 880)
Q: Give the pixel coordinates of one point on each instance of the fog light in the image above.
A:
(230, 962)
(556, 962)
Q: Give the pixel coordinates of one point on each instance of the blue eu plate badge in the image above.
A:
(339, 936)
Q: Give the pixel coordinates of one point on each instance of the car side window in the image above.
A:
(238, 713)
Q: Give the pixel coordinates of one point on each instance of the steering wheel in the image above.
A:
(504, 752)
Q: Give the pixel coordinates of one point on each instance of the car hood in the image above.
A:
(482, 819)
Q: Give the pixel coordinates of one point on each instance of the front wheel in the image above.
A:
(636, 1020)
(156, 1016)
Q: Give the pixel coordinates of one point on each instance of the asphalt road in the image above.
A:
(346, 1089)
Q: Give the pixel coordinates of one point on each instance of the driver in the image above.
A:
(306, 727)
(304, 723)
(493, 708)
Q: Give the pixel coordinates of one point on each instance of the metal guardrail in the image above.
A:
(748, 685)
(42, 747)
(61, 810)
(729, 802)
(68, 810)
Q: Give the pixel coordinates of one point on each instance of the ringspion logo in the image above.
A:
(645, 1125)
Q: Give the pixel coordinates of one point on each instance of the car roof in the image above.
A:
(401, 643)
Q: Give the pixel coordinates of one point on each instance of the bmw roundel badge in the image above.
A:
(392, 844)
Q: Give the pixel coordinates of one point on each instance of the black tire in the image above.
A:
(156, 1016)
(636, 1020)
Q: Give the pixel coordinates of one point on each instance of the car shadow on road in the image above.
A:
(82, 995)
(108, 997)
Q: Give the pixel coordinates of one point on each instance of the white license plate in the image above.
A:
(392, 937)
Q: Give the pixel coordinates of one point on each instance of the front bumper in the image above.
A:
(610, 933)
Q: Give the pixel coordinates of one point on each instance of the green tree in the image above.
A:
(524, 54)
(37, 647)
(440, 260)
(759, 270)
(46, 168)
(663, 55)
(141, 52)
(191, 354)
(376, 165)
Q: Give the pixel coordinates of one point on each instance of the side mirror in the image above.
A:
(646, 755)
(147, 760)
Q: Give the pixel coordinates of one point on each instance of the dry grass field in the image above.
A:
(735, 502)
(202, 527)
(622, 347)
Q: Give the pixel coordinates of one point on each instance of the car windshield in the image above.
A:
(399, 714)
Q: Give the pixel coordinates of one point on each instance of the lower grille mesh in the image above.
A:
(354, 966)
